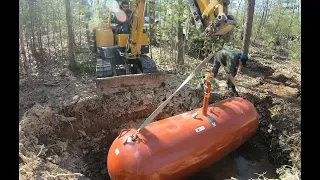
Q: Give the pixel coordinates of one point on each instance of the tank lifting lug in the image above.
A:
(130, 139)
(195, 115)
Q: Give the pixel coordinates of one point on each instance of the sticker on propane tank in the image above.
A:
(117, 151)
(213, 124)
(199, 129)
(184, 114)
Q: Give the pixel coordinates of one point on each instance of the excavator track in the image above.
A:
(148, 65)
(103, 68)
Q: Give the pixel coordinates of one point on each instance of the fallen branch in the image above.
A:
(66, 119)
(25, 158)
(65, 86)
(57, 83)
(73, 174)
(42, 146)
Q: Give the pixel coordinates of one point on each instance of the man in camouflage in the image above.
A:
(231, 59)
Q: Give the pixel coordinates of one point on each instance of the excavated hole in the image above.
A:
(93, 142)
(256, 69)
(80, 136)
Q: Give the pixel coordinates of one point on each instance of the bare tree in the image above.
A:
(290, 25)
(180, 58)
(72, 62)
(22, 46)
(248, 25)
(32, 17)
(263, 17)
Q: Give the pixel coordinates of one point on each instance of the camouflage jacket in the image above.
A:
(229, 58)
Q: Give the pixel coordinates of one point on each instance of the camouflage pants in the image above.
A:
(230, 84)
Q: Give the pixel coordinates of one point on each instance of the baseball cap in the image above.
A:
(244, 59)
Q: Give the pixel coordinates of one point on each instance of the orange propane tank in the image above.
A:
(179, 146)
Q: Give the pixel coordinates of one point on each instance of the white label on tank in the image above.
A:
(117, 151)
(199, 129)
(184, 114)
(213, 124)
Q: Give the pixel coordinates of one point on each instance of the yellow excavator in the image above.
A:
(121, 49)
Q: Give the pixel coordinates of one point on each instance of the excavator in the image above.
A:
(122, 49)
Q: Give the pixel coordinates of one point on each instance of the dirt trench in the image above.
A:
(73, 142)
(75, 138)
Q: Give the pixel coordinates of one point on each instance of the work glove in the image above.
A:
(213, 82)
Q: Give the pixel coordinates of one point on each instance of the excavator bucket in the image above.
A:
(109, 85)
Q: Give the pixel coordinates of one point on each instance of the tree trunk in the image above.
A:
(39, 25)
(242, 27)
(87, 19)
(160, 47)
(180, 58)
(290, 25)
(248, 25)
(80, 24)
(238, 8)
(60, 32)
(31, 14)
(55, 29)
(172, 38)
(261, 20)
(151, 21)
(276, 29)
(72, 61)
(24, 64)
(267, 13)
(48, 32)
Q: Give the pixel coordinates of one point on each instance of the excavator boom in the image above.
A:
(212, 14)
(137, 28)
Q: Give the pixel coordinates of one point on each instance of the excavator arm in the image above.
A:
(209, 14)
(137, 28)
(212, 14)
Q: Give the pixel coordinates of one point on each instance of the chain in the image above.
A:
(209, 44)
